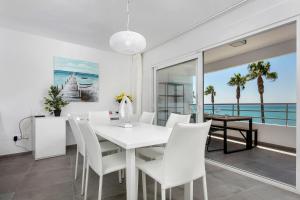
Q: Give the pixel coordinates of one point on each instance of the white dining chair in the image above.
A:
(102, 165)
(103, 118)
(183, 160)
(177, 118)
(158, 151)
(147, 117)
(106, 147)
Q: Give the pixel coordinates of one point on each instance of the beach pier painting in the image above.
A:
(79, 80)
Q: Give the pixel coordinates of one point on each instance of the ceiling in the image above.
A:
(258, 41)
(92, 22)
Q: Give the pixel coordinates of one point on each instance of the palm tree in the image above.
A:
(210, 90)
(258, 70)
(239, 81)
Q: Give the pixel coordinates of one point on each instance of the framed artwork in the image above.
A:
(77, 79)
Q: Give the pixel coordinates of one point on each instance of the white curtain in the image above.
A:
(136, 82)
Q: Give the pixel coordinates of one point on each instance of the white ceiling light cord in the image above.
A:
(128, 15)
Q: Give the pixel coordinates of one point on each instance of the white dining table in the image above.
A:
(130, 139)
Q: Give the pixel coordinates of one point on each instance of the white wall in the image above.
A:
(252, 16)
(26, 72)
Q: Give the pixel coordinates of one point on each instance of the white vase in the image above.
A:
(125, 110)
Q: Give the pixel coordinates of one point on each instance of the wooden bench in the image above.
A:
(237, 128)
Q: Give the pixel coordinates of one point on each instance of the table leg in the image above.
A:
(130, 174)
(225, 137)
(249, 135)
(187, 191)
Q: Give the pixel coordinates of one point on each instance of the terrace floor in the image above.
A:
(277, 166)
(22, 178)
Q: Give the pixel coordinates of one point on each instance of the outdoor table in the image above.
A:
(225, 119)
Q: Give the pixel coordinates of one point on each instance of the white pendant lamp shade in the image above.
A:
(127, 42)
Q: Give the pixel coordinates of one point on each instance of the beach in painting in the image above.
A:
(79, 80)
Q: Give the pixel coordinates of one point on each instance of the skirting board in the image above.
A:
(72, 146)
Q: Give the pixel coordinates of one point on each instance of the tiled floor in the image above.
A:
(277, 166)
(22, 178)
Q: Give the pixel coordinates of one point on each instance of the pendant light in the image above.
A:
(127, 42)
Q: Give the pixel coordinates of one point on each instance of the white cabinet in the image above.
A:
(49, 137)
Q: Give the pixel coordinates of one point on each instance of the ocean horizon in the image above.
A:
(275, 113)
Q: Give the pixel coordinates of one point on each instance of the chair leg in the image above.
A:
(123, 173)
(83, 175)
(204, 187)
(144, 186)
(120, 172)
(100, 187)
(170, 193)
(120, 176)
(137, 183)
(86, 181)
(163, 194)
(155, 190)
(76, 163)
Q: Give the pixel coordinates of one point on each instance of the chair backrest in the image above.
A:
(177, 118)
(99, 117)
(184, 157)
(147, 117)
(77, 134)
(93, 148)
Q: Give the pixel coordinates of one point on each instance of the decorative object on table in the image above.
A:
(120, 97)
(127, 42)
(54, 102)
(125, 112)
(78, 79)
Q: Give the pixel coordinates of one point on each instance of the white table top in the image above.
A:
(140, 135)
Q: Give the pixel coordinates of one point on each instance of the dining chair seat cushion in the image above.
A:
(107, 146)
(152, 152)
(152, 168)
(113, 162)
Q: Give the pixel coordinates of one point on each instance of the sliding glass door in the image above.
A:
(176, 91)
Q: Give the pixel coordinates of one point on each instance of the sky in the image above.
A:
(283, 90)
(67, 64)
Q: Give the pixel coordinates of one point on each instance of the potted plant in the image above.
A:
(54, 102)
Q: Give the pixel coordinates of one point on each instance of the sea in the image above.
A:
(277, 114)
(60, 78)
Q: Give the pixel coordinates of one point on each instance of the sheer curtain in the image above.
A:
(136, 83)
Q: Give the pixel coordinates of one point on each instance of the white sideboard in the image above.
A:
(49, 137)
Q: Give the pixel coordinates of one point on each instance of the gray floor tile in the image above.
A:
(280, 167)
(63, 191)
(53, 178)
(7, 196)
(43, 179)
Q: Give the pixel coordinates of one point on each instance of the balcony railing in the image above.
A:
(275, 113)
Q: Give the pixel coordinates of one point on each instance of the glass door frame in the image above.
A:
(199, 81)
(295, 20)
(200, 97)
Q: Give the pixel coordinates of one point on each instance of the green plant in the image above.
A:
(210, 90)
(54, 101)
(239, 81)
(258, 70)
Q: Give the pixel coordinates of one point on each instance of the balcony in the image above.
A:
(274, 156)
